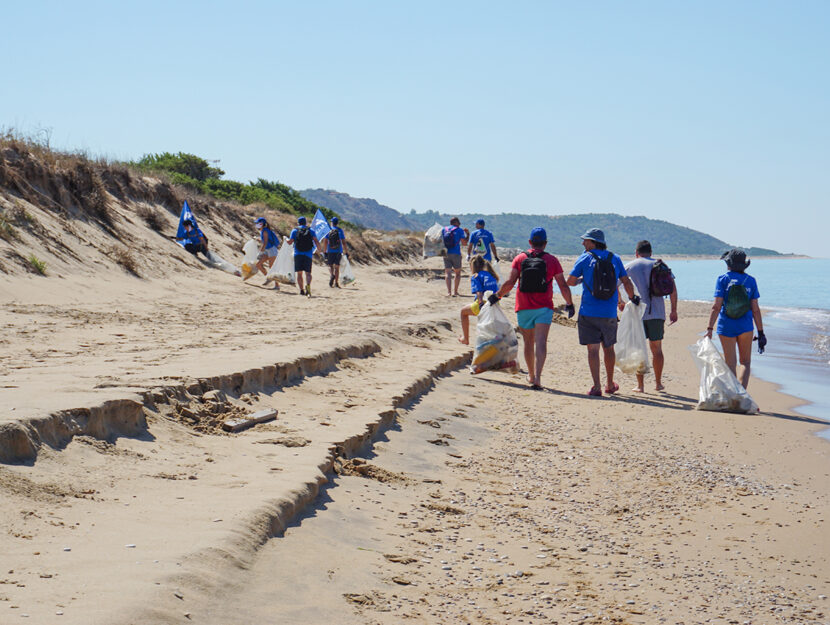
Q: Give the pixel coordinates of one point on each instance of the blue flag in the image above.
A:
(181, 233)
(319, 226)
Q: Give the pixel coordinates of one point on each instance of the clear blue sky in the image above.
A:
(713, 115)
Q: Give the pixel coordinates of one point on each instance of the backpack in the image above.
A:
(605, 277)
(533, 277)
(334, 238)
(448, 234)
(660, 281)
(737, 301)
(305, 240)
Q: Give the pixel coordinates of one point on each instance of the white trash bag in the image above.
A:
(218, 262)
(632, 348)
(346, 273)
(719, 388)
(250, 251)
(433, 241)
(283, 268)
(497, 346)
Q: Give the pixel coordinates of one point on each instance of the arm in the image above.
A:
(673, 300)
(469, 249)
(508, 284)
(713, 316)
(325, 245)
(756, 315)
(318, 244)
(564, 289)
(573, 280)
(628, 286)
(495, 253)
(343, 245)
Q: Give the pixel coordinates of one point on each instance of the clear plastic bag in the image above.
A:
(250, 251)
(433, 241)
(283, 268)
(632, 348)
(216, 261)
(346, 273)
(719, 388)
(497, 346)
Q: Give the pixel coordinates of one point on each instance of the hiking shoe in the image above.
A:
(308, 290)
(331, 282)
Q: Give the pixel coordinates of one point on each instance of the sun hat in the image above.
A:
(538, 235)
(594, 234)
(736, 259)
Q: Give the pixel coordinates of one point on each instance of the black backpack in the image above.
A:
(448, 235)
(737, 301)
(605, 277)
(304, 241)
(334, 238)
(533, 277)
(660, 280)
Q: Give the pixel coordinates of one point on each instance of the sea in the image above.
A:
(795, 301)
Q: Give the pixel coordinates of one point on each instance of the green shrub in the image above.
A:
(38, 265)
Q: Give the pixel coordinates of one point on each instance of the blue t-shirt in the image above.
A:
(590, 305)
(726, 325)
(339, 247)
(481, 240)
(483, 281)
(457, 234)
(293, 237)
(194, 236)
(266, 234)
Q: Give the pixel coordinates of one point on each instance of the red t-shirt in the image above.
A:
(529, 301)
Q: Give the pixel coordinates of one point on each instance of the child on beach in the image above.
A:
(269, 246)
(483, 279)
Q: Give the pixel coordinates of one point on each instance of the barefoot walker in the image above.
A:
(483, 279)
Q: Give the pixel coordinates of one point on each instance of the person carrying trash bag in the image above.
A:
(736, 308)
(535, 270)
(599, 271)
(483, 279)
(305, 246)
(195, 240)
(269, 245)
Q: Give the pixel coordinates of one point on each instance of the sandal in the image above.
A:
(612, 389)
(595, 392)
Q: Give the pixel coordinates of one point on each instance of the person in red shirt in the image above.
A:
(536, 271)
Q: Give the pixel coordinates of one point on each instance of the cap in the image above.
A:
(301, 221)
(735, 259)
(335, 220)
(539, 235)
(595, 234)
(480, 222)
(259, 220)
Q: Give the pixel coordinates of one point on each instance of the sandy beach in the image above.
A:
(393, 486)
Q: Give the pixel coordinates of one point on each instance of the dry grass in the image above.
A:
(124, 256)
(7, 231)
(38, 265)
(151, 217)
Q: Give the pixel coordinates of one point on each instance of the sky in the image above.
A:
(709, 114)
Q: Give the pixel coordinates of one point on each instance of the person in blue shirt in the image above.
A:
(484, 278)
(482, 242)
(335, 249)
(597, 322)
(737, 333)
(304, 241)
(195, 241)
(454, 237)
(268, 248)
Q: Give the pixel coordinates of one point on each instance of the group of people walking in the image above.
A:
(646, 281)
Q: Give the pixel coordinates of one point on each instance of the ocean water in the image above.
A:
(795, 299)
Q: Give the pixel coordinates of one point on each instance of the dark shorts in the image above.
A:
(597, 330)
(302, 263)
(195, 249)
(654, 329)
(333, 258)
(452, 261)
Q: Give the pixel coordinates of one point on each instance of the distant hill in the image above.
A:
(363, 211)
(512, 229)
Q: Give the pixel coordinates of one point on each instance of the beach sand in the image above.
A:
(393, 485)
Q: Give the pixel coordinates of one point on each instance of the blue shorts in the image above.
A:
(529, 318)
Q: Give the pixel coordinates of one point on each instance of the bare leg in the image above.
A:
(530, 359)
(593, 364)
(640, 388)
(728, 343)
(745, 356)
(457, 281)
(465, 324)
(300, 280)
(657, 361)
(540, 336)
(448, 273)
(610, 357)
